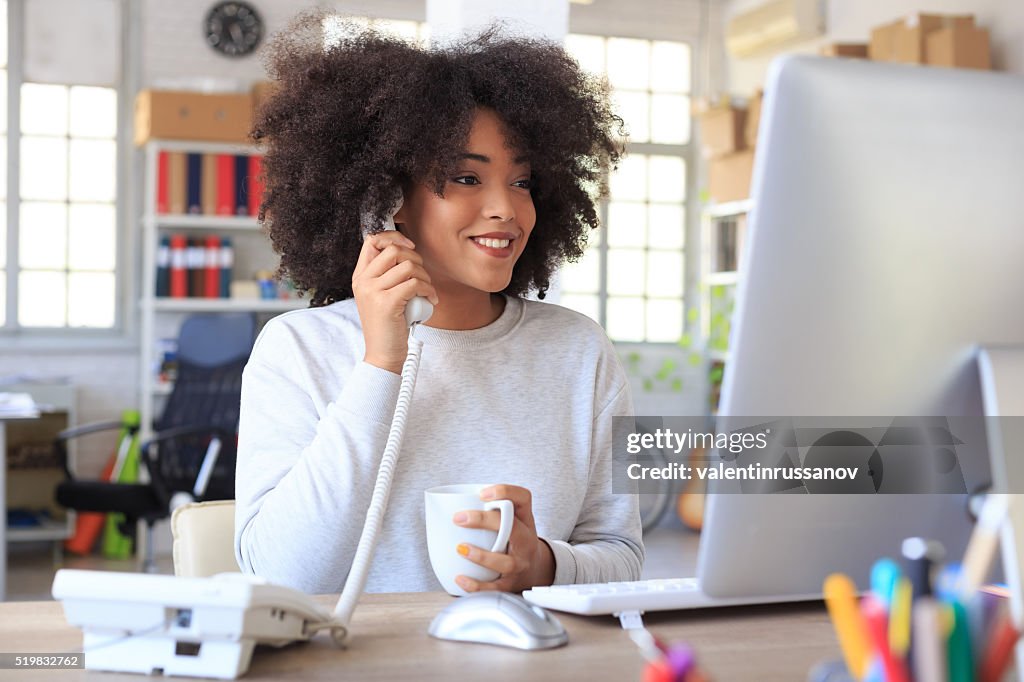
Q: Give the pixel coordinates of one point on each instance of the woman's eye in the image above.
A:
(466, 180)
(525, 184)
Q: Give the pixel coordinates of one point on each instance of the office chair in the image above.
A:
(192, 453)
(204, 536)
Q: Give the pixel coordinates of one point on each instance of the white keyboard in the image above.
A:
(601, 598)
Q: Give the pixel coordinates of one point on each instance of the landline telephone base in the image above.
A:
(195, 627)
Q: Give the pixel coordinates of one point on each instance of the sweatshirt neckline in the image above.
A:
(470, 339)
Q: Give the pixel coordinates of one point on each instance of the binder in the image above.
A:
(163, 267)
(194, 183)
(227, 262)
(255, 184)
(176, 190)
(211, 278)
(196, 268)
(209, 189)
(241, 184)
(225, 184)
(162, 171)
(179, 272)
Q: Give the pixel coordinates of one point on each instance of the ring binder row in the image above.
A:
(194, 267)
(208, 184)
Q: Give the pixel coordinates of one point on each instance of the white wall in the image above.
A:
(852, 20)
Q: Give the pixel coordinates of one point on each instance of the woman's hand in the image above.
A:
(388, 274)
(528, 562)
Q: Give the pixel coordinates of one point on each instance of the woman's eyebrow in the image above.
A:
(486, 159)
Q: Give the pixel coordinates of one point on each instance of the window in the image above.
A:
(59, 251)
(67, 227)
(632, 277)
(3, 163)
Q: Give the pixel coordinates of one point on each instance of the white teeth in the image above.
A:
(493, 243)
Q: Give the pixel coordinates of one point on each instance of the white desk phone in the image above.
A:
(209, 627)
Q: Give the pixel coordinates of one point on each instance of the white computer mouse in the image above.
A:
(499, 618)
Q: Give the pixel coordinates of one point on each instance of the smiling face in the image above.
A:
(472, 236)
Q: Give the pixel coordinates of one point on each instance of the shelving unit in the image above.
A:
(723, 232)
(31, 487)
(160, 317)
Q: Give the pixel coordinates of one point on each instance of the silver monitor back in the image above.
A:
(886, 242)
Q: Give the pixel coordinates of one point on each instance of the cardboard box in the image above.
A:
(721, 130)
(261, 92)
(167, 115)
(753, 119)
(729, 176)
(905, 40)
(960, 46)
(855, 50)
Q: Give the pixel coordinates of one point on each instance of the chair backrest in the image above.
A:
(204, 535)
(212, 352)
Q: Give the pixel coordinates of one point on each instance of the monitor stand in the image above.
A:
(1002, 389)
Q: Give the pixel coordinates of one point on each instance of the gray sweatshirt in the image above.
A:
(527, 400)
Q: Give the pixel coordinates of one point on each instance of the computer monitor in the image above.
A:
(886, 243)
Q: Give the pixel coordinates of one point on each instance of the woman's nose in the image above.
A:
(498, 205)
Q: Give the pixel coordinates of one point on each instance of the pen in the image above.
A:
(899, 618)
(884, 575)
(921, 554)
(841, 600)
(961, 659)
(929, 635)
(984, 542)
(1000, 651)
(878, 629)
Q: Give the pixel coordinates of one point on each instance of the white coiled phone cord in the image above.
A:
(381, 491)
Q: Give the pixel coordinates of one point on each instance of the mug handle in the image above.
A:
(505, 527)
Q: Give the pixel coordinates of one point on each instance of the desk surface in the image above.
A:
(390, 642)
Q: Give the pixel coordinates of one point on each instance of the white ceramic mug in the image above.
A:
(443, 535)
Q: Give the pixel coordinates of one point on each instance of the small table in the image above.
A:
(4, 418)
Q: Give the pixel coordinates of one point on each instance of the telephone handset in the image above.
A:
(418, 309)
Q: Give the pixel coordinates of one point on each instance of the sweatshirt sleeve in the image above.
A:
(304, 479)
(606, 544)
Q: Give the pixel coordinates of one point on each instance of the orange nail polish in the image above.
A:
(463, 549)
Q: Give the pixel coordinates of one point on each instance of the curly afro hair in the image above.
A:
(353, 119)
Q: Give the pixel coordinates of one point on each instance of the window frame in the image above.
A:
(691, 210)
(121, 335)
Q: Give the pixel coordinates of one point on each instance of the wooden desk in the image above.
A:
(390, 642)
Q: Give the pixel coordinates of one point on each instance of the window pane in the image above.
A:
(44, 109)
(627, 223)
(628, 63)
(91, 299)
(91, 237)
(3, 235)
(665, 273)
(93, 170)
(588, 51)
(93, 112)
(583, 276)
(42, 299)
(3, 36)
(670, 119)
(42, 236)
(3, 298)
(633, 107)
(630, 180)
(668, 178)
(582, 303)
(626, 272)
(670, 67)
(664, 321)
(626, 319)
(44, 168)
(667, 226)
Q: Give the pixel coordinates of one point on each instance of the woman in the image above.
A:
(497, 146)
